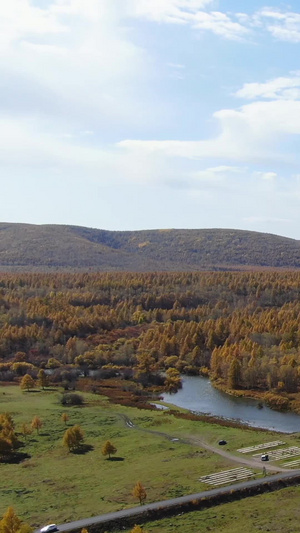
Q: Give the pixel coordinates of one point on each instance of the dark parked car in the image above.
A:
(222, 442)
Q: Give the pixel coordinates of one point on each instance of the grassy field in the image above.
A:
(53, 485)
(277, 512)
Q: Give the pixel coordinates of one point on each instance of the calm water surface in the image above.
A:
(198, 395)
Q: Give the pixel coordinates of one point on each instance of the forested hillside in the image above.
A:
(25, 247)
(241, 328)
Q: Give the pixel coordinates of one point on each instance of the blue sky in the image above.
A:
(144, 114)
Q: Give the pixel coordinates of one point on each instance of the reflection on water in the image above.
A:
(198, 395)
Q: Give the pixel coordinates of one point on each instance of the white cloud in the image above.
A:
(26, 146)
(23, 144)
(220, 24)
(262, 120)
(176, 65)
(19, 18)
(167, 11)
(279, 88)
(176, 71)
(189, 12)
(78, 55)
(247, 134)
(284, 26)
(220, 178)
(265, 176)
(217, 174)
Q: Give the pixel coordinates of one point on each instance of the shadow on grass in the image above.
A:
(46, 389)
(84, 448)
(115, 459)
(15, 458)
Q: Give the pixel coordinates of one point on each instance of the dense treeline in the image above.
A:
(241, 328)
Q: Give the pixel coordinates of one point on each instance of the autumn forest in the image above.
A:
(241, 329)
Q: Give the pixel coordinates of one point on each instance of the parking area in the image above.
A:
(282, 453)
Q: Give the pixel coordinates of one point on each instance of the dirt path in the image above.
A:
(249, 461)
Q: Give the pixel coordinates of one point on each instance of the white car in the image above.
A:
(49, 529)
(265, 457)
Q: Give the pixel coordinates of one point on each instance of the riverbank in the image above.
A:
(200, 396)
(281, 402)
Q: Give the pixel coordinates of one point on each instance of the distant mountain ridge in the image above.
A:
(27, 247)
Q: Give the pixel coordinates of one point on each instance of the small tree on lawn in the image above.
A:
(8, 438)
(10, 523)
(43, 378)
(6, 422)
(108, 449)
(36, 424)
(65, 418)
(139, 492)
(73, 438)
(26, 430)
(27, 382)
(138, 529)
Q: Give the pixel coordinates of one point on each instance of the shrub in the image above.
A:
(72, 399)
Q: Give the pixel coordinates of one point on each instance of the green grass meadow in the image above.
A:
(277, 512)
(53, 485)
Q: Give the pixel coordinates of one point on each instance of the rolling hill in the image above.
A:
(27, 247)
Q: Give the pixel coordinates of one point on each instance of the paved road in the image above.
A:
(137, 511)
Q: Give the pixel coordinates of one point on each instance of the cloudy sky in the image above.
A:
(144, 114)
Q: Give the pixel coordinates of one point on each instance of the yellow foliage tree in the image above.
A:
(8, 438)
(26, 430)
(138, 529)
(173, 380)
(6, 422)
(65, 418)
(27, 382)
(43, 378)
(10, 523)
(36, 423)
(73, 438)
(108, 449)
(139, 492)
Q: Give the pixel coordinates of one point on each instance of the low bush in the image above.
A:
(72, 399)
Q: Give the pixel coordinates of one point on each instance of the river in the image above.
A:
(199, 396)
